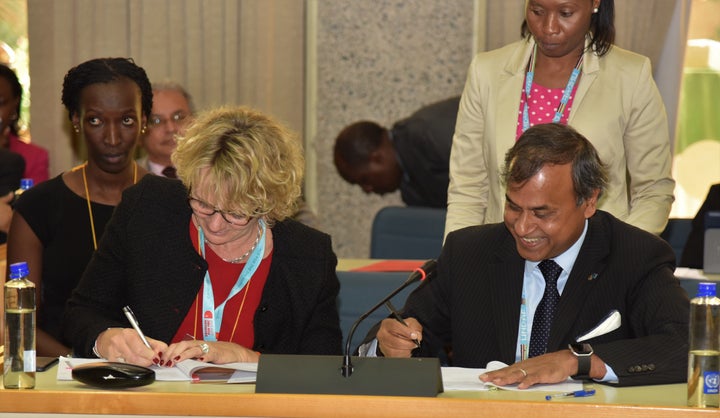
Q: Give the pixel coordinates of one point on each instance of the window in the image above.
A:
(696, 164)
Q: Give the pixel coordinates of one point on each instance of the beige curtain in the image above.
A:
(642, 26)
(224, 51)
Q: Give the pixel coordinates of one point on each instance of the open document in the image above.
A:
(460, 378)
(186, 370)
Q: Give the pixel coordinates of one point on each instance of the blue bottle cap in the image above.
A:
(26, 183)
(18, 270)
(706, 289)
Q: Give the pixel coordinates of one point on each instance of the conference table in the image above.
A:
(53, 398)
(175, 399)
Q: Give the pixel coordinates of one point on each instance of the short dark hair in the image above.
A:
(17, 91)
(356, 142)
(602, 28)
(104, 70)
(556, 144)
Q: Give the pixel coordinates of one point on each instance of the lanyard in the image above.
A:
(524, 332)
(566, 94)
(212, 316)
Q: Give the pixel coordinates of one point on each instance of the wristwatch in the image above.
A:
(582, 352)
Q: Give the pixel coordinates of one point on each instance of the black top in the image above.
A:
(61, 222)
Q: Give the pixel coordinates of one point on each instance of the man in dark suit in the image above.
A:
(490, 298)
(413, 156)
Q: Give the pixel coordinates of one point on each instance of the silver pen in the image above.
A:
(133, 321)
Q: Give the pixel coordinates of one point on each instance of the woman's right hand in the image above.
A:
(125, 346)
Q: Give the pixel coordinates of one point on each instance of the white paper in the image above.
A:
(460, 378)
(688, 273)
(611, 322)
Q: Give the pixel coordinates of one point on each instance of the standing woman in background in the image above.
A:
(36, 157)
(58, 224)
(565, 70)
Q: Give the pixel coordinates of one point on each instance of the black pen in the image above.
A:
(399, 318)
(133, 321)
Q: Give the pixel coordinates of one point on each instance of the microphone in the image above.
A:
(422, 273)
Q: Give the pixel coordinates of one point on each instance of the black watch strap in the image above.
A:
(583, 372)
(583, 353)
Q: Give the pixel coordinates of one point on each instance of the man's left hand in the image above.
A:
(549, 368)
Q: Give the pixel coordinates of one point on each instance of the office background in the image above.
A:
(316, 64)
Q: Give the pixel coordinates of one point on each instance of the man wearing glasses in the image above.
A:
(172, 110)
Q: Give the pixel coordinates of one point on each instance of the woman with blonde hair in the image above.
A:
(211, 265)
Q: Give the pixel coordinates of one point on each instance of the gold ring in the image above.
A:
(205, 348)
(521, 370)
(120, 360)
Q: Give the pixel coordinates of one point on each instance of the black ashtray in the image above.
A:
(112, 375)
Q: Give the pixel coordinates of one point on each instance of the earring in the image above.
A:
(142, 131)
(595, 10)
(76, 129)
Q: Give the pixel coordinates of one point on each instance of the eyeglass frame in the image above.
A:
(177, 118)
(215, 210)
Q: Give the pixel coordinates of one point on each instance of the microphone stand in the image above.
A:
(421, 273)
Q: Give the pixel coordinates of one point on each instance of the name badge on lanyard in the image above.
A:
(213, 315)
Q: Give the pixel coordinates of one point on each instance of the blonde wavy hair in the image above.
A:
(247, 161)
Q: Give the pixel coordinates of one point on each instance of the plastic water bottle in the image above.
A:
(704, 356)
(19, 358)
(24, 185)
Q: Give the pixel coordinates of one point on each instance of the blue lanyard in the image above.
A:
(212, 316)
(566, 94)
(524, 332)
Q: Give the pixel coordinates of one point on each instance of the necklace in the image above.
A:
(566, 94)
(87, 198)
(240, 259)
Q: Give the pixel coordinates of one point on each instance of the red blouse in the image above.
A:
(237, 324)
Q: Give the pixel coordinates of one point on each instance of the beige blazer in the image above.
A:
(617, 107)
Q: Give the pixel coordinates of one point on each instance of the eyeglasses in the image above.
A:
(205, 209)
(178, 118)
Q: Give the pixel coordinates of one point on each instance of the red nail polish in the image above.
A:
(177, 358)
(160, 354)
(202, 359)
(169, 363)
(162, 362)
(156, 360)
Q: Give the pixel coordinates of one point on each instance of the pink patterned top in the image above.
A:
(543, 104)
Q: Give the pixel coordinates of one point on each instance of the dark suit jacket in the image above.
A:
(693, 253)
(146, 259)
(422, 143)
(474, 302)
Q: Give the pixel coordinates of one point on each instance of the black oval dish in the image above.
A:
(112, 375)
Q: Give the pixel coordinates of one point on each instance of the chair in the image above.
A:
(676, 234)
(360, 291)
(407, 232)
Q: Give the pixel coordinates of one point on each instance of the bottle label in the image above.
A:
(711, 381)
(29, 363)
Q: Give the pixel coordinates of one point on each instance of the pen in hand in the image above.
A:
(133, 321)
(399, 318)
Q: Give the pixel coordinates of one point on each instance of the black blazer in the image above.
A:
(474, 302)
(146, 260)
